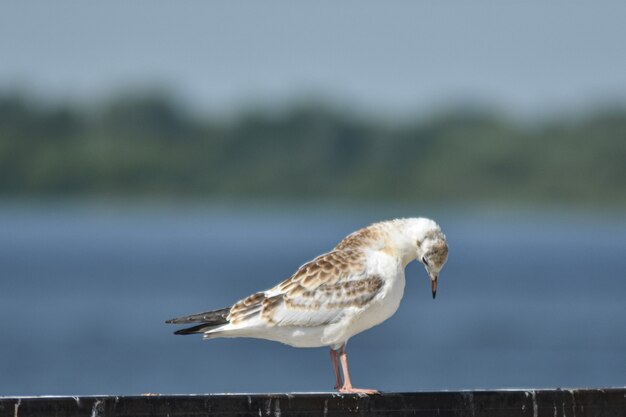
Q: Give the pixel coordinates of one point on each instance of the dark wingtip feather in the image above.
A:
(201, 328)
(214, 317)
(178, 320)
(207, 320)
(184, 331)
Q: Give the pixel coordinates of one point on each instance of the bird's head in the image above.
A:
(426, 243)
(432, 252)
(422, 239)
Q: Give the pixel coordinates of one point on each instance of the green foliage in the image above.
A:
(147, 146)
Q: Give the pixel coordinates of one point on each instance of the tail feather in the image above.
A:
(208, 320)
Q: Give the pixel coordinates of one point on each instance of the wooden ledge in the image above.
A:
(506, 403)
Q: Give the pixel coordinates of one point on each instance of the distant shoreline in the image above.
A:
(140, 147)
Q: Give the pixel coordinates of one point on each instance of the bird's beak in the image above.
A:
(433, 285)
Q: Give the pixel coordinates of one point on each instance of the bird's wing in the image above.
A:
(320, 292)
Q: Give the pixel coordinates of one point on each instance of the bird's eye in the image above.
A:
(424, 260)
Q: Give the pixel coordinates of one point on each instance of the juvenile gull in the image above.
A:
(355, 286)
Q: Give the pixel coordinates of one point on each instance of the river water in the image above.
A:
(526, 300)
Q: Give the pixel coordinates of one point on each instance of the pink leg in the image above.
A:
(335, 358)
(347, 385)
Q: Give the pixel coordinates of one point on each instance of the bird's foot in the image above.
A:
(350, 390)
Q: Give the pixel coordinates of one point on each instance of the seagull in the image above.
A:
(337, 295)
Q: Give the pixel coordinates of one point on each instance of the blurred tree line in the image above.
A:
(145, 145)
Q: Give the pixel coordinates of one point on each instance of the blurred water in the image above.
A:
(524, 301)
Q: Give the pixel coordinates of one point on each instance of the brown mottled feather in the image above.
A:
(330, 282)
(360, 238)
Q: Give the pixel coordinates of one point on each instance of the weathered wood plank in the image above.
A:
(510, 403)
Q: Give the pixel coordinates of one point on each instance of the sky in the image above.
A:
(396, 57)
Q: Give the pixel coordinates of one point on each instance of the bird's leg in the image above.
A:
(334, 356)
(347, 384)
